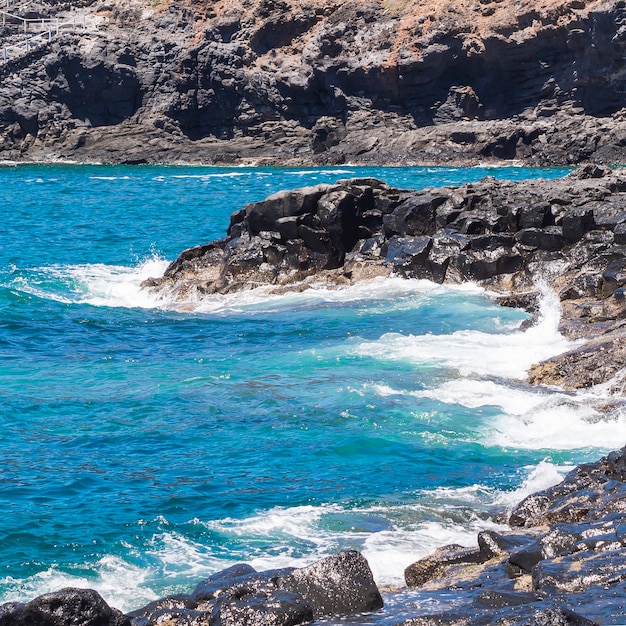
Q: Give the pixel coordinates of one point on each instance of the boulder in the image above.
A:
(409, 256)
(436, 565)
(245, 607)
(67, 607)
(337, 585)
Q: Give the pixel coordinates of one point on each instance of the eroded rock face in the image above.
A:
(564, 564)
(321, 82)
(507, 235)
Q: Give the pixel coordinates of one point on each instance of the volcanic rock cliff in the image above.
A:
(320, 82)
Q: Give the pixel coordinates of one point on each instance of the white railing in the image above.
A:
(44, 29)
(49, 22)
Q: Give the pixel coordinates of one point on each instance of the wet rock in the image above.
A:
(337, 585)
(579, 572)
(78, 607)
(436, 565)
(241, 607)
(494, 544)
(174, 602)
(214, 585)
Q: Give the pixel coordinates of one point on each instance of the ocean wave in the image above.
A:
(95, 284)
(328, 172)
(122, 584)
(478, 353)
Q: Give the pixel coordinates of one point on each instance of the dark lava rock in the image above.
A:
(336, 585)
(274, 608)
(436, 565)
(67, 607)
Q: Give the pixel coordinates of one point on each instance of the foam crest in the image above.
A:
(397, 293)
(539, 477)
(122, 585)
(560, 423)
(513, 398)
(390, 537)
(215, 175)
(321, 172)
(118, 286)
(95, 284)
(478, 353)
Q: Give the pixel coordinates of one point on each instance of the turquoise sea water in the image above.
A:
(143, 447)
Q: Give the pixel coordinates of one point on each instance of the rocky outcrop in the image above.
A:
(320, 82)
(567, 232)
(79, 607)
(563, 563)
(339, 585)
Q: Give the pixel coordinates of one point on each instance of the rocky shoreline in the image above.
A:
(563, 560)
(314, 82)
(562, 563)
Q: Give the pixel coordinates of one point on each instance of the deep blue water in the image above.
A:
(144, 447)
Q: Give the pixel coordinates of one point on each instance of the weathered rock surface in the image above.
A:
(339, 585)
(509, 235)
(565, 564)
(318, 82)
(67, 607)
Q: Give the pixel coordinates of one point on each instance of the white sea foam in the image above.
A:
(538, 478)
(214, 175)
(390, 537)
(398, 292)
(477, 353)
(110, 178)
(95, 284)
(320, 172)
(121, 584)
(118, 286)
(559, 425)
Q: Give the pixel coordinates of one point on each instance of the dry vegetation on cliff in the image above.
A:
(322, 82)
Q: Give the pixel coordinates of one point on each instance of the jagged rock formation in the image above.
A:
(310, 81)
(568, 232)
(563, 562)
